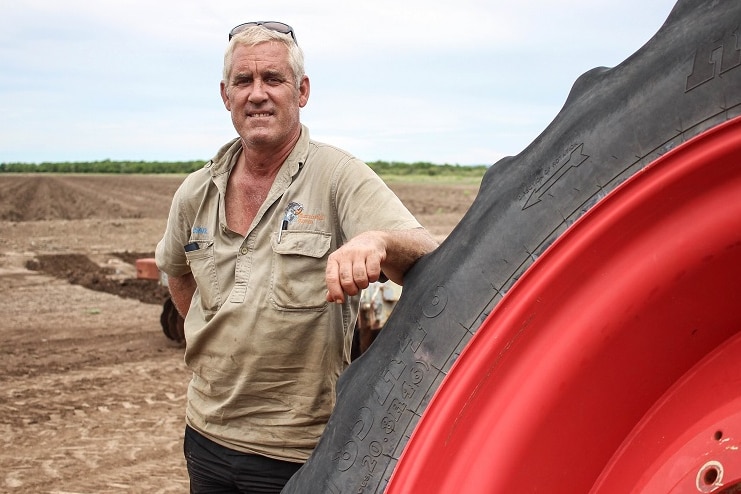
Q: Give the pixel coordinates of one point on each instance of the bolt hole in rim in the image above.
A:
(710, 477)
(609, 367)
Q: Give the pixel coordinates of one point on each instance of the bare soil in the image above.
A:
(92, 393)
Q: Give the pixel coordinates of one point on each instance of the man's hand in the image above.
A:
(355, 265)
(359, 262)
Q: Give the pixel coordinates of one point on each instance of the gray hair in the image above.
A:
(255, 35)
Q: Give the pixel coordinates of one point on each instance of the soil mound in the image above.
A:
(78, 269)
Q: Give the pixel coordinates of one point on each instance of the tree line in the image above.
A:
(179, 167)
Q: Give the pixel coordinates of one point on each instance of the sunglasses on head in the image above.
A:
(279, 27)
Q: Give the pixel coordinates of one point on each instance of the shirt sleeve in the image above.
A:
(170, 252)
(364, 202)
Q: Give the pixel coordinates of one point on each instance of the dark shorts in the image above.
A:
(215, 469)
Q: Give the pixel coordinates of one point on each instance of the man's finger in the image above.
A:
(334, 288)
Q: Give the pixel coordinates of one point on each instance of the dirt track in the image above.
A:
(92, 393)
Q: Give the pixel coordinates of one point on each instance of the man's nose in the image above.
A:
(258, 93)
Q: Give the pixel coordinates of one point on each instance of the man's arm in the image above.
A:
(182, 289)
(359, 262)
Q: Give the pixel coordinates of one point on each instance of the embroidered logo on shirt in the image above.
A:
(293, 211)
(200, 230)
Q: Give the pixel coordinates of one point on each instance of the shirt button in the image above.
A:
(243, 251)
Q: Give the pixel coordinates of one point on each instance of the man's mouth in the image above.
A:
(259, 115)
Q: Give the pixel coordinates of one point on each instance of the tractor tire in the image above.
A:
(555, 340)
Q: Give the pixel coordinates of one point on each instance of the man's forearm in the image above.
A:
(182, 289)
(403, 249)
(366, 256)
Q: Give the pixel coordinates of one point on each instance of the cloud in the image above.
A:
(411, 81)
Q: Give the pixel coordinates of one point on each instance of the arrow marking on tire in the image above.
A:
(576, 158)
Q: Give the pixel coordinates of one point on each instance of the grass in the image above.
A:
(432, 179)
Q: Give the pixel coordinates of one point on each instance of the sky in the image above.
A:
(465, 82)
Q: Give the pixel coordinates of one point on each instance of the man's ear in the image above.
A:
(225, 96)
(303, 92)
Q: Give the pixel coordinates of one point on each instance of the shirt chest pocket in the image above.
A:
(203, 267)
(298, 271)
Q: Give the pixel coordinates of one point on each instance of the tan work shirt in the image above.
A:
(264, 346)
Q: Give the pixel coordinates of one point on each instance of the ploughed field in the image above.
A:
(92, 394)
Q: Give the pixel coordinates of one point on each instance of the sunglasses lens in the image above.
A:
(240, 28)
(278, 26)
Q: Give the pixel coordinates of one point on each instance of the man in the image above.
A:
(267, 249)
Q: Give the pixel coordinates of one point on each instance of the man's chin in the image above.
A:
(259, 138)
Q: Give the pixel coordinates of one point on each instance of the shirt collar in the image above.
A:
(226, 157)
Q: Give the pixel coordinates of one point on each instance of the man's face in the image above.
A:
(262, 96)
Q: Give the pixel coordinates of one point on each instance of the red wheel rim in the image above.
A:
(560, 389)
